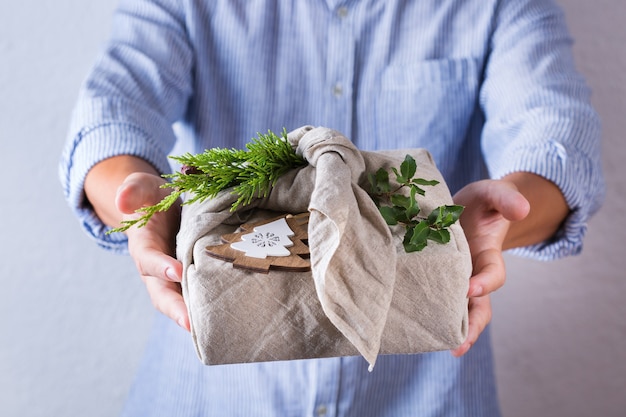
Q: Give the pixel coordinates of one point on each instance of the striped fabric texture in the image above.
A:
(489, 87)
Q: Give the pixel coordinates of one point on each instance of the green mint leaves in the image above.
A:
(397, 208)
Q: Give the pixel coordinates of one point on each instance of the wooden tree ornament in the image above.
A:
(278, 243)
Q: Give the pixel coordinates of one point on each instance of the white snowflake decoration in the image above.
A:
(271, 239)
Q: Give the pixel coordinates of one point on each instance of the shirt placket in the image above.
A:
(340, 70)
(327, 385)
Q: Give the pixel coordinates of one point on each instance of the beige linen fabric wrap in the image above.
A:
(364, 294)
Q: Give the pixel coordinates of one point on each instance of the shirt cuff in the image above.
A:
(580, 180)
(87, 149)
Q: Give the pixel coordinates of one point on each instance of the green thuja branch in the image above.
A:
(397, 208)
(251, 172)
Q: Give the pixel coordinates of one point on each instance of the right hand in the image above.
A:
(153, 246)
(490, 208)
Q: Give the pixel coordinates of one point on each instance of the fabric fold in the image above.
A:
(352, 254)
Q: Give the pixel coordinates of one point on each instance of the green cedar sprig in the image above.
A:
(397, 208)
(252, 172)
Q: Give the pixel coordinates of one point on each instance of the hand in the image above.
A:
(152, 246)
(490, 207)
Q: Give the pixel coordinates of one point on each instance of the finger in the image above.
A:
(509, 202)
(479, 317)
(137, 191)
(489, 273)
(167, 298)
(496, 196)
(154, 262)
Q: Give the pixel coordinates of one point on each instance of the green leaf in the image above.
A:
(409, 247)
(445, 216)
(408, 168)
(402, 215)
(416, 237)
(399, 176)
(420, 232)
(371, 178)
(439, 235)
(382, 181)
(435, 216)
(417, 189)
(401, 201)
(422, 181)
(413, 209)
(389, 214)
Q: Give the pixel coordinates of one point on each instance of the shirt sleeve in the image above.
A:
(138, 88)
(539, 116)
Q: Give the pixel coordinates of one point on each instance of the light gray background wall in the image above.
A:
(74, 319)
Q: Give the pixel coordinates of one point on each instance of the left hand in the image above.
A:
(490, 207)
(152, 246)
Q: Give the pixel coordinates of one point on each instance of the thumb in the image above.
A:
(510, 202)
(139, 190)
(495, 197)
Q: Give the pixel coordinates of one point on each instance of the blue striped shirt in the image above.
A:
(489, 87)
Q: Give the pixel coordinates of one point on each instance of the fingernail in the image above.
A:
(182, 322)
(170, 274)
(477, 291)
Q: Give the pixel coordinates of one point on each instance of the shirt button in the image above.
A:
(337, 90)
(342, 12)
(321, 410)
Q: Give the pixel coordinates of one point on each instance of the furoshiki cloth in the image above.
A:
(364, 294)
